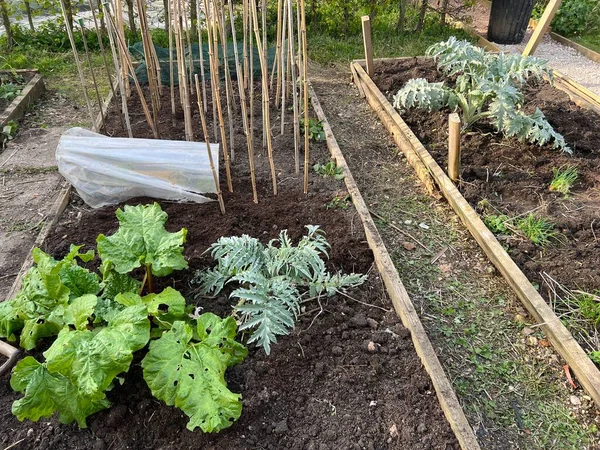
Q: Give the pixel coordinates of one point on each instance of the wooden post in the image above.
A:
(542, 27)
(366, 28)
(454, 147)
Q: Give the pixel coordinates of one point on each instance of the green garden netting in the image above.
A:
(137, 51)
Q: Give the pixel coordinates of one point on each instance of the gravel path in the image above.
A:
(565, 59)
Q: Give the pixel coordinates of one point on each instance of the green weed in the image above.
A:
(315, 130)
(496, 223)
(564, 178)
(329, 170)
(339, 202)
(537, 230)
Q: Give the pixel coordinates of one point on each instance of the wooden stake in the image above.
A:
(89, 60)
(278, 50)
(78, 63)
(265, 93)
(171, 72)
(201, 55)
(207, 141)
(214, 72)
(101, 44)
(366, 29)
(245, 44)
(305, 82)
(135, 80)
(120, 32)
(294, 86)
(266, 126)
(242, 93)
(220, 19)
(251, 81)
(281, 76)
(454, 147)
(542, 27)
(118, 74)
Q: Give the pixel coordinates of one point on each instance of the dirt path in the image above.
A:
(29, 180)
(511, 384)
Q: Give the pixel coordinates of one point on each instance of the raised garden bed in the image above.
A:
(347, 377)
(513, 178)
(18, 90)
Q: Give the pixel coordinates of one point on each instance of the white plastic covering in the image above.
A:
(107, 171)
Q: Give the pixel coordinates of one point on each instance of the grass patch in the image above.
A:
(387, 42)
(563, 179)
(537, 229)
(591, 41)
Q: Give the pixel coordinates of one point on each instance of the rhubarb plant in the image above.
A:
(486, 88)
(270, 281)
(98, 323)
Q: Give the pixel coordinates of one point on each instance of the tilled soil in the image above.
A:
(321, 388)
(514, 177)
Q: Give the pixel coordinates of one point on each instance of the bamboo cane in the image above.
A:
(294, 86)
(276, 67)
(213, 87)
(245, 44)
(181, 31)
(102, 50)
(207, 141)
(135, 80)
(242, 93)
(149, 58)
(305, 82)
(201, 55)
(279, 53)
(300, 64)
(214, 72)
(78, 63)
(265, 92)
(189, 46)
(171, 71)
(228, 86)
(281, 76)
(251, 81)
(120, 81)
(266, 127)
(119, 28)
(89, 61)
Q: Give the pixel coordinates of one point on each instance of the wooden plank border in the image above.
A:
(30, 93)
(400, 298)
(561, 338)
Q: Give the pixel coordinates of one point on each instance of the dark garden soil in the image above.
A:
(321, 388)
(514, 177)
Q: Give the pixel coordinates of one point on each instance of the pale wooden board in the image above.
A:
(542, 27)
(561, 338)
(400, 298)
(30, 93)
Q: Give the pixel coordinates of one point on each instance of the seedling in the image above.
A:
(315, 130)
(537, 230)
(487, 88)
(589, 307)
(9, 131)
(496, 223)
(329, 170)
(9, 91)
(340, 201)
(564, 178)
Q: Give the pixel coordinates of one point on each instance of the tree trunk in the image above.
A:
(101, 17)
(29, 15)
(6, 23)
(131, 16)
(422, 16)
(166, 6)
(401, 16)
(443, 11)
(69, 13)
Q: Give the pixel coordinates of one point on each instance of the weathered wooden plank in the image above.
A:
(400, 298)
(30, 93)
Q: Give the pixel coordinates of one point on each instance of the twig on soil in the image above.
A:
(439, 255)
(11, 155)
(301, 349)
(10, 275)
(364, 303)
(592, 227)
(15, 444)
(314, 318)
(391, 225)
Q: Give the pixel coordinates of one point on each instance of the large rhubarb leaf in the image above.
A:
(47, 392)
(191, 375)
(142, 240)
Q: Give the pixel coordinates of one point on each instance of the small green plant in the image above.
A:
(589, 307)
(97, 323)
(9, 91)
(315, 129)
(329, 170)
(340, 201)
(537, 230)
(563, 179)
(270, 281)
(595, 357)
(486, 89)
(9, 131)
(496, 223)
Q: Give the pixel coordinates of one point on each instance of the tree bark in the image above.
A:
(131, 16)
(443, 11)
(29, 15)
(6, 23)
(401, 16)
(422, 16)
